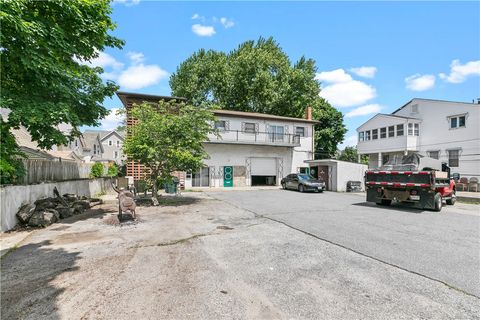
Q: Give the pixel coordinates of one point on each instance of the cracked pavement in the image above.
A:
(223, 256)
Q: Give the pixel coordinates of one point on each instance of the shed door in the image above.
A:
(263, 167)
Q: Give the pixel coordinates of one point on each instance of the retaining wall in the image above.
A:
(14, 196)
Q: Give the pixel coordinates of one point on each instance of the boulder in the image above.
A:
(47, 203)
(70, 197)
(65, 212)
(25, 212)
(43, 218)
(84, 204)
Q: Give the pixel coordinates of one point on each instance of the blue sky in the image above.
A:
(371, 56)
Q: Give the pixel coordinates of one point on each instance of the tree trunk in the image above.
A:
(155, 198)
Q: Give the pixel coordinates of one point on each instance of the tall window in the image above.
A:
(391, 131)
(416, 129)
(367, 135)
(374, 134)
(300, 131)
(383, 133)
(116, 154)
(410, 129)
(457, 122)
(399, 130)
(360, 136)
(94, 149)
(453, 158)
(118, 143)
(434, 154)
(109, 142)
(249, 127)
(276, 133)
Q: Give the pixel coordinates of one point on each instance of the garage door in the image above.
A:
(263, 167)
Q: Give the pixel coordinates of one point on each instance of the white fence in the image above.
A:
(37, 171)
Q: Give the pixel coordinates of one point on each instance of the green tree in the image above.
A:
(350, 154)
(259, 77)
(45, 81)
(112, 170)
(97, 170)
(168, 137)
(10, 165)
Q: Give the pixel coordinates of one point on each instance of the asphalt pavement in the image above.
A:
(440, 246)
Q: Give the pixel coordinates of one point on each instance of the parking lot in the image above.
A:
(260, 254)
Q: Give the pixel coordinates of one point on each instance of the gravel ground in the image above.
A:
(204, 258)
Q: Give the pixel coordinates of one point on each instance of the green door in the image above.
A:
(228, 176)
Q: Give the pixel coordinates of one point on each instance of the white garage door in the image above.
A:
(263, 167)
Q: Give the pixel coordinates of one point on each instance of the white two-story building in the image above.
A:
(252, 149)
(445, 130)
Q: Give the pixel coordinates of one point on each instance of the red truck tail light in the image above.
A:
(379, 190)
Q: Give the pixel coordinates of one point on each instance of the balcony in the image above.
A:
(257, 138)
(394, 144)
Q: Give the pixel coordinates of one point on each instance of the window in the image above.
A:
(110, 142)
(415, 108)
(416, 129)
(453, 156)
(275, 133)
(300, 131)
(385, 158)
(374, 134)
(115, 154)
(249, 127)
(383, 133)
(410, 129)
(367, 135)
(76, 143)
(399, 130)
(94, 149)
(220, 125)
(360, 136)
(118, 143)
(434, 154)
(391, 131)
(457, 122)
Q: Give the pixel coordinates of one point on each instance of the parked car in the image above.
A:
(302, 182)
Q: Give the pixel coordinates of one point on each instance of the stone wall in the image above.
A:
(13, 197)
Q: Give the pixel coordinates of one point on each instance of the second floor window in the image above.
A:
(94, 149)
(220, 125)
(367, 135)
(249, 127)
(391, 131)
(453, 158)
(276, 133)
(457, 122)
(383, 133)
(434, 154)
(399, 130)
(118, 143)
(300, 131)
(416, 129)
(374, 134)
(110, 142)
(360, 136)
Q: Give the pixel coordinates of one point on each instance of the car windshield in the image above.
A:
(305, 177)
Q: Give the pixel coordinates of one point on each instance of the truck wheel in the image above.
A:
(301, 188)
(438, 202)
(452, 199)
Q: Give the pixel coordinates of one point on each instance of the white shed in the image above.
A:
(337, 173)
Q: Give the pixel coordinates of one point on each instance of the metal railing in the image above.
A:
(270, 138)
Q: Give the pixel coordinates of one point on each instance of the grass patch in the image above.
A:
(468, 200)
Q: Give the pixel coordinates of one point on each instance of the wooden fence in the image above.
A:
(37, 171)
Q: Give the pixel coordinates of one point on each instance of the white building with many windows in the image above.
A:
(445, 130)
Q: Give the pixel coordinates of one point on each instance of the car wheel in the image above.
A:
(320, 190)
(301, 188)
(453, 199)
(284, 186)
(438, 202)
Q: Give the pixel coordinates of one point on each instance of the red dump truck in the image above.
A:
(416, 181)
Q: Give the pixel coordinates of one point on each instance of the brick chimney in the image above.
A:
(308, 113)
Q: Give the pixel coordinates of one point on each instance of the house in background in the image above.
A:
(253, 148)
(445, 130)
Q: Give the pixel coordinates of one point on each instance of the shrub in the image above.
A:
(112, 170)
(97, 170)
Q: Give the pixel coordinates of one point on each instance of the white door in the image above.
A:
(263, 167)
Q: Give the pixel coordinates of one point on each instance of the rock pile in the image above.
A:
(46, 211)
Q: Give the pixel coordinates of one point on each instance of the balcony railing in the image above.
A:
(266, 138)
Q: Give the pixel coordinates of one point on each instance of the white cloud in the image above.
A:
(127, 3)
(366, 72)
(350, 141)
(136, 57)
(203, 31)
(195, 16)
(112, 120)
(342, 90)
(459, 72)
(103, 60)
(226, 22)
(418, 82)
(140, 76)
(364, 110)
(335, 76)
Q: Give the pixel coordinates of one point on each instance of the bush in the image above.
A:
(97, 170)
(112, 170)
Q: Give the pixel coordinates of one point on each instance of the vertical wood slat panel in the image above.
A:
(37, 171)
